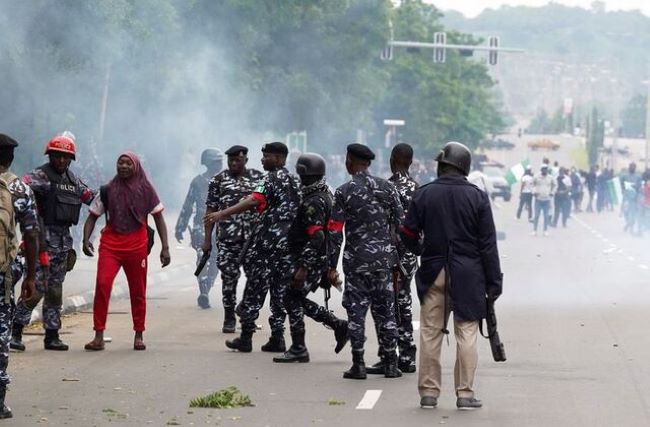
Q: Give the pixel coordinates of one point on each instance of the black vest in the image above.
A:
(298, 236)
(61, 205)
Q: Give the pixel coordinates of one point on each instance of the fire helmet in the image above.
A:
(62, 144)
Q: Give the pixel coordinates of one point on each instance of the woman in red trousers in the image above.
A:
(127, 200)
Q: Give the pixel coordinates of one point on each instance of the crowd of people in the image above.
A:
(554, 192)
(287, 232)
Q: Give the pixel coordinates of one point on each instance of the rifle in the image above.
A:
(498, 350)
(204, 260)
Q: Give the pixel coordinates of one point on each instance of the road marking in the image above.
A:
(369, 399)
(631, 258)
(643, 266)
(188, 288)
(416, 325)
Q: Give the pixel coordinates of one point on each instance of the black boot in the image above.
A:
(340, 328)
(275, 344)
(16, 342)
(407, 360)
(243, 343)
(390, 365)
(297, 352)
(5, 411)
(229, 321)
(52, 341)
(358, 369)
(377, 368)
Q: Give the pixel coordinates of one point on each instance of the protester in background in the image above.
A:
(576, 190)
(590, 179)
(543, 189)
(562, 198)
(526, 193)
(127, 200)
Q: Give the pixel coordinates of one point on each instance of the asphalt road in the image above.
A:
(573, 318)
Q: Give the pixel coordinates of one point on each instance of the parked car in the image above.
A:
(543, 144)
(497, 180)
(497, 144)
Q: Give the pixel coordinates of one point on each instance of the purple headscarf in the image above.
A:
(130, 200)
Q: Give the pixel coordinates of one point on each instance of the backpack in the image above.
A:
(8, 242)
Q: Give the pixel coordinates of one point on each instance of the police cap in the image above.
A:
(236, 150)
(361, 151)
(7, 141)
(275, 148)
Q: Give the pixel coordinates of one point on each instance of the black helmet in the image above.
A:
(310, 164)
(211, 155)
(457, 155)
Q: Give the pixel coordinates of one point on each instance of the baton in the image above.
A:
(204, 260)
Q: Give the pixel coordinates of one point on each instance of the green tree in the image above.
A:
(595, 136)
(634, 116)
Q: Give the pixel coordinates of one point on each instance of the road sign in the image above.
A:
(493, 41)
(439, 53)
(387, 53)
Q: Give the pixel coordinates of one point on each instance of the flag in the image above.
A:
(515, 173)
(614, 190)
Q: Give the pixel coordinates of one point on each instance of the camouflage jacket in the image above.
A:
(194, 204)
(226, 190)
(368, 207)
(405, 186)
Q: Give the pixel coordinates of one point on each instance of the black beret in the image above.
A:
(361, 151)
(275, 148)
(7, 141)
(236, 149)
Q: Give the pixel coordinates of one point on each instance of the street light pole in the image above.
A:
(647, 127)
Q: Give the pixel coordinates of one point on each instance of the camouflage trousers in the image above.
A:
(298, 305)
(229, 265)
(209, 273)
(7, 309)
(266, 271)
(363, 290)
(49, 287)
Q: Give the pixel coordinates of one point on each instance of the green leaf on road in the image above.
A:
(335, 402)
(227, 398)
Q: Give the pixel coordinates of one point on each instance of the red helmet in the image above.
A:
(61, 144)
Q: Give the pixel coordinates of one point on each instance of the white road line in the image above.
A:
(369, 399)
(188, 288)
(416, 325)
(643, 266)
(631, 258)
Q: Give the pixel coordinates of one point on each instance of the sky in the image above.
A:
(471, 8)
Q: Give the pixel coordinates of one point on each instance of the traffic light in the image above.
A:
(439, 53)
(492, 56)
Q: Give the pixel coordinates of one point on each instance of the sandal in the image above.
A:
(94, 346)
(139, 345)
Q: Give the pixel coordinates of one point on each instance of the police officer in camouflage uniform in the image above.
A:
(18, 198)
(368, 207)
(276, 198)
(310, 259)
(225, 190)
(194, 204)
(59, 195)
(400, 161)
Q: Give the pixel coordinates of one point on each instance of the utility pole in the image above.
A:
(647, 127)
(102, 114)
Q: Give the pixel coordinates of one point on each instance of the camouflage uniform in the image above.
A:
(405, 187)
(226, 190)
(58, 241)
(268, 253)
(368, 206)
(195, 204)
(25, 212)
(313, 216)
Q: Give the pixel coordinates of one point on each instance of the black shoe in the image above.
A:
(203, 301)
(5, 411)
(468, 403)
(390, 366)
(376, 369)
(358, 369)
(16, 342)
(229, 322)
(341, 335)
(52, 341)
(275, 344)
(406, 365)
(244, 343)
(294, 355)
(428, 402)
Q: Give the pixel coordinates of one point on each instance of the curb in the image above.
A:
(79, 302)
